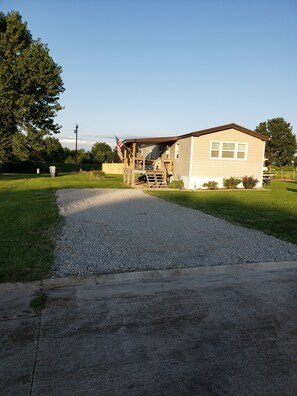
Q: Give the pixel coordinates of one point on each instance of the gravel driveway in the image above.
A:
(109, 230)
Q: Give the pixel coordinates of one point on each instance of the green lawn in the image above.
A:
(30, 220)
(273, 211)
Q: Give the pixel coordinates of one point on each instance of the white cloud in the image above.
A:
(79, 141)
(84, 143)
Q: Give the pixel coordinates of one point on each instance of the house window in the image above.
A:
(241, 151)
(228, 150)
(215, 150)
(177, 151)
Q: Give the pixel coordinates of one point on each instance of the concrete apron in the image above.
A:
(216, 330)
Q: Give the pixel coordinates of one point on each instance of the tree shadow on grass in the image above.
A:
(292, 190)
(17, 176)
(265, 214)
(29, 221)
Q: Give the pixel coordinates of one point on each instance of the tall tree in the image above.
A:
(53, 150)
(83, 157)
(30, 84)
(101, 152)
(114, 156)
(282, 145)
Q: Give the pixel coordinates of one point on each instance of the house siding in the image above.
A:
(205, 168)
(181, 165)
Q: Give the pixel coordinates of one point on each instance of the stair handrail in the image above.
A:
(163, 167)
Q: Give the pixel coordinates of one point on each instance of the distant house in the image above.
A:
(196, 157)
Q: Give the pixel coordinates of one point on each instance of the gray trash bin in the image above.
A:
(52, 170)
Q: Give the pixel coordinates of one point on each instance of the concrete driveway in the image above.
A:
(208, 331)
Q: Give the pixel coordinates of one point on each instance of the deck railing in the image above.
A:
(143, 164)
(139, 165)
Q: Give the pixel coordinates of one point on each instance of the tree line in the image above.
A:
(54, 152)
(30, 85)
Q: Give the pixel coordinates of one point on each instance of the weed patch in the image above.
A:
(38, 302)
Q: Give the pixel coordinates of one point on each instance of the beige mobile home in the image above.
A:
(196, 157)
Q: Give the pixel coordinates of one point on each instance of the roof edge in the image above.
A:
(164, 139)
(223, 128)
(152, 140)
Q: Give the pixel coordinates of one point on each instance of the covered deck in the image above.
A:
(147, 161)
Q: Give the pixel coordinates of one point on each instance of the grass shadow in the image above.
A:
(292, 190)
(30, 221)
(273, 212)
(16, 176)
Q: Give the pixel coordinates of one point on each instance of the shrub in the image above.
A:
(231, 182)
(211, 185)
(97, 174)
(249, 182)
(177, 183)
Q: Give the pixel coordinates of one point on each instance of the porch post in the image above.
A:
(133, 164)
(125, 166)
(134, 154)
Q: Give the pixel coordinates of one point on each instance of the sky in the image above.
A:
(139, 68)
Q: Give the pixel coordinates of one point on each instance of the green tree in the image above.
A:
(69, 160)
(83, 157)
(67, 152)
(101, 152)
(53, 150)
(27, 147)
(282, 146)
(114, 156)
(30, 84)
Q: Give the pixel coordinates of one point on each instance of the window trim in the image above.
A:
(235, 151)
(177, 151)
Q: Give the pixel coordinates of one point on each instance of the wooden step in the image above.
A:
(156, 179)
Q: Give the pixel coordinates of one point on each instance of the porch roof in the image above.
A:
(152, 140)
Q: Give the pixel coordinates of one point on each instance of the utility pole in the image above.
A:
(76, 133)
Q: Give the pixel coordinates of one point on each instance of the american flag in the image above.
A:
(120, 144)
